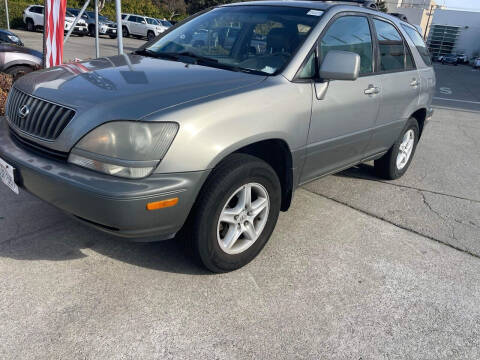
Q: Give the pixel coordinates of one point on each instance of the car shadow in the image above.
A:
(363, 171)
(63, 239)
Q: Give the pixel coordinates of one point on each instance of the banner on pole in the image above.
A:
(54, 27)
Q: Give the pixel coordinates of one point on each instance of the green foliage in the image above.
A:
(153, 8)
(194, 6)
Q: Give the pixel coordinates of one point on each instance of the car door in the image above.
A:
(132, 24)
(342, 121)
(141, 26)
(400, 84)
(37, 14)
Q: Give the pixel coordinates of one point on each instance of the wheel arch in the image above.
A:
(275, 152)
(420, 115)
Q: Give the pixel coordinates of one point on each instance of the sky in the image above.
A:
(461, 4)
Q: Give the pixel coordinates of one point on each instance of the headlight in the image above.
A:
(124, 148)
(13, 38)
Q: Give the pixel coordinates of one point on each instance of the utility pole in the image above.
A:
(6, 14)
(428, 20)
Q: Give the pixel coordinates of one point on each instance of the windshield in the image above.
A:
(258, 38)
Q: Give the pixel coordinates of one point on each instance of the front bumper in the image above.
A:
(107, 30)
(111, 204)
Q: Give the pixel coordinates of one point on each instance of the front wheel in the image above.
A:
(235, 213)
(125, 32)
(150, 35)
(395, 163)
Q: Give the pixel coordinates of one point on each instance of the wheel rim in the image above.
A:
(405, 149)
(243, 218)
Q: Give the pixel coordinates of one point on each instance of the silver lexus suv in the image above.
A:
(208, 140)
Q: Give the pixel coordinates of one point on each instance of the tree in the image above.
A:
(175, 8)
(382, 6)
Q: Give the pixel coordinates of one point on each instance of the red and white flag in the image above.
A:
(54, 27)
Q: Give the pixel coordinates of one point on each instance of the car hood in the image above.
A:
(130, 86)
(14, 48)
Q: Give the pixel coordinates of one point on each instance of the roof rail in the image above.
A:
(371, 4)
(400, 16)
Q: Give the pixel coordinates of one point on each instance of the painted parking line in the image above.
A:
(463, 101)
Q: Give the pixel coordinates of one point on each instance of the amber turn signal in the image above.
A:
(162, 204)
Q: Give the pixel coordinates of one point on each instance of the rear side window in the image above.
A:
(394, 56)
(419, 44)
(349, 33)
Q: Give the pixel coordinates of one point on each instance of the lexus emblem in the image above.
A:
(24, 111)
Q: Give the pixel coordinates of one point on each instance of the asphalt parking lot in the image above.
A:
(359, 268)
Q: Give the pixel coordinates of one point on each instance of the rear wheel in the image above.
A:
(397, 160)
(235, 214)
(30, 25)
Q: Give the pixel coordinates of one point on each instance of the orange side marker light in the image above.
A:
(162, 204)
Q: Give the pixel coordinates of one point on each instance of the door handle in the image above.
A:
(414, 83)
(371, 90)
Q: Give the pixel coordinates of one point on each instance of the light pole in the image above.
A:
(118, 6)
(6, 14)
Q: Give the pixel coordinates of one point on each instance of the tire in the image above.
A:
(113, 36)
(91, 31)
(30, 25)
(125, 32)
(150, 35)
(18, 71)
(206, 237)
(388, 166)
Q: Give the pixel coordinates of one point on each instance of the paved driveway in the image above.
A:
(358, 269)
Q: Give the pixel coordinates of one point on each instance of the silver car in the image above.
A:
(209, 141)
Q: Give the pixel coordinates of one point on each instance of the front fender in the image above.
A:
(212, 130)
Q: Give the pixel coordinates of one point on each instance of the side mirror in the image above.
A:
(340, 65)
(144, 22)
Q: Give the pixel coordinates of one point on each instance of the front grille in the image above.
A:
(44, 119)
(37, 148)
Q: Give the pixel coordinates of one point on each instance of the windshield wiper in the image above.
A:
(153, 54)
(199, 60)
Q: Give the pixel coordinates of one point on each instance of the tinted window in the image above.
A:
(393, 53)
(37, 9)
(419, 44)
(350, 33)
(124, 16)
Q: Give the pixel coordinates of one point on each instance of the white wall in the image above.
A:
(469, 22)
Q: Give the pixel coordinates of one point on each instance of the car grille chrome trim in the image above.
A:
(44, 120)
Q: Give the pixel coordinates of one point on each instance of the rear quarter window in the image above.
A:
(419, 44)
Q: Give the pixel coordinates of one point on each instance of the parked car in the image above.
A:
(18, 60)
(8, 37)
(143, 26)
(210, 144)
(476, 63)
(462, 58)
(450, 59)
(33, 17)
(106, 26)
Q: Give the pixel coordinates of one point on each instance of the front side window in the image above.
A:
(394, 55)
(419, 44)
(260, 39)
(349, 33)
(152, 21)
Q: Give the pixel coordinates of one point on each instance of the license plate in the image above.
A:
(7, 177)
